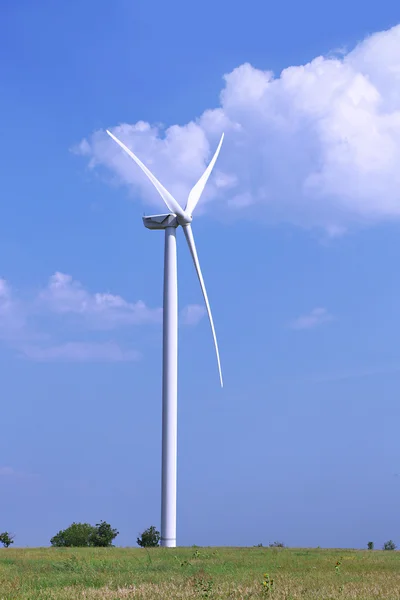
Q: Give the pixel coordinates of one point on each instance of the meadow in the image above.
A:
(214, 573)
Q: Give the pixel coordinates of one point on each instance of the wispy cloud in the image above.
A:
(317, 317)
(13, 322)
(192, 314)
(63, 308)
(6, 471)
(14, 474)
(356, 374)
(64, 295)
(81, 352)
(317, 145)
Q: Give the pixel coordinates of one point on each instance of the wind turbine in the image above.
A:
(169, 222)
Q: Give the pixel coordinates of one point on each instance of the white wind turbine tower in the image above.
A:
(176, 216)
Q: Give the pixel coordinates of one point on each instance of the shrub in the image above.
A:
(103, 535)
(390, 545)
(370, 545)
(76, 535)
(150, 538)
(277, 545)
(84, 535)
(6, 539)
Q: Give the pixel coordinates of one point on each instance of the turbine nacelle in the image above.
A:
(160, 221)
(164, 221)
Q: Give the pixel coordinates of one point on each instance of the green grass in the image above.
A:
(215, 573)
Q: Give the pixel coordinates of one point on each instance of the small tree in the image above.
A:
(6, 539)
(150, 538)
(103, 535)
(390, 545)
(370, 545)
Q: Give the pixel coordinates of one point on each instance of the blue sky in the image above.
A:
(298, 238)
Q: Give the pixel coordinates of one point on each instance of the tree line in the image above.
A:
(81, 535)
(102, 535)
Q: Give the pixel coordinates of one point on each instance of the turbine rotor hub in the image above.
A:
(184, 220)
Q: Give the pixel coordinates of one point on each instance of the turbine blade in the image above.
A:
(192, 247)
(197, 190)
(169, 200)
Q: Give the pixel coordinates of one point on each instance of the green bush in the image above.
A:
(103, 535)
(150, 538)
(390, 545)
(370, 545)
(6, 539)
(84, 535)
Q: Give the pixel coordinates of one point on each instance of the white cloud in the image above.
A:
(316, 317)
(81, 352)
(26, 327)
(192, 314)
(64, 295)
(317, 146)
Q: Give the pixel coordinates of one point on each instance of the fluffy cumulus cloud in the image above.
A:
(317, 317)
(317, 145)
(39, 328)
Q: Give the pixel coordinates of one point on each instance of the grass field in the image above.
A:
(198, 573)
